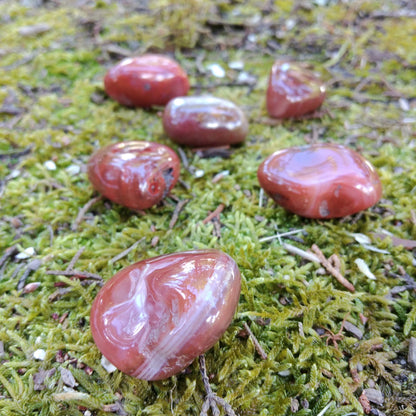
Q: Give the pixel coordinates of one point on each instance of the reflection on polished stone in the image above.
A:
(153, 318)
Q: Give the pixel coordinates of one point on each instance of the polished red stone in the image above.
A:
(320, 180)
(135, 174)
(200, 121)
(153, 318)
(146, 80)
(293, 91)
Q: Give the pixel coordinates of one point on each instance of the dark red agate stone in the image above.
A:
(153, 318)
(135, 174)
(201, 121)
(293, 91)
(145, 81)
(320, 180)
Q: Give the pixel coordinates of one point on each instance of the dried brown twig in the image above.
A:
(9, 252)
(31, 267)
(256, 343)
(70, 271)
(334, 338)
(332, 267)
(211, 399)
(83, 211)
(179, 207)
(75, 273)
(127, 251)
(75, 258)
(214, 214)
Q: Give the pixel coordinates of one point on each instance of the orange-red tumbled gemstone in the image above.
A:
(293, 91)
(201, 121)
(135, 174)
(320, 180)
(153, 318)
(146, 80)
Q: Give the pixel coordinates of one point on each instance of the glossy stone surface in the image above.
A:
(320, 180)
(153, 318)
(200, 121)
(293, 91)
(146, 80)
(135, 174)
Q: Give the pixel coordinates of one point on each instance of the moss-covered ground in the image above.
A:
(54, 114)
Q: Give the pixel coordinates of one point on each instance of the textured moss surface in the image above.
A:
(53, 108)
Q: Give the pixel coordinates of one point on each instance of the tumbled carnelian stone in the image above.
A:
(146, 80)
(201, 121)
(135, 174)
(153, 318)
(320, 180)
(293, 91)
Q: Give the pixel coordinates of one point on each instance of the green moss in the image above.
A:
(55, 80)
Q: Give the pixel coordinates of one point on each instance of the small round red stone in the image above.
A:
(135, 174)
(146, 80)
(153, 318)
(320, 180)
(293, 91)
(201, 121)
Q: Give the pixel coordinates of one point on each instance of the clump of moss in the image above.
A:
(55, 110)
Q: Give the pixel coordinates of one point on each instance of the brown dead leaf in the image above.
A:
(397, 241)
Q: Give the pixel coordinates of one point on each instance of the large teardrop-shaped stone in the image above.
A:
(320, 180)
(153, 318)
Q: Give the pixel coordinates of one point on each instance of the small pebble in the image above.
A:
(50, 165)
(110, 368)
(238, 65)
(199, 173)
(13, 174)
(39, 354)
(34, 30)
(67, 377)
(26, 253)
(216, 70)
(374, 396)
(355, 331)
(361, 238)
(246, 78)
(31, 287)
(290, 24)
(73, 170)
(404, 104)
(363, 267)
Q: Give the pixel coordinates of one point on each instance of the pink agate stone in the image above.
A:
(146, 80)
(320, 180)
(135, 174)
(293, 91)
(153, 318)
(201, 121)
